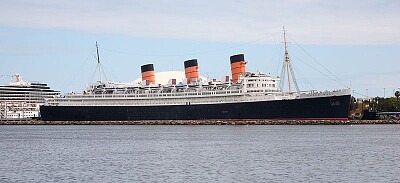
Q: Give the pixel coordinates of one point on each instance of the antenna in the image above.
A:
(98, 61)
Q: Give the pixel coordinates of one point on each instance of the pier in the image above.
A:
(205, 122)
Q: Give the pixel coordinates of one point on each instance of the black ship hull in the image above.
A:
(329, 108)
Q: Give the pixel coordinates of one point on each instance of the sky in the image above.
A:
(332, 44)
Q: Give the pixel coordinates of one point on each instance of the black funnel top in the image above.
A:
(147, 67)
(237, 58)
(190, 63)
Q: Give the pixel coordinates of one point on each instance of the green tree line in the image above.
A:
(379, 104)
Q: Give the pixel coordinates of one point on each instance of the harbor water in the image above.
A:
(266, 153)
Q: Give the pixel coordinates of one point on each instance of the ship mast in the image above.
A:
(287, 60)
(98, 61)
(287, 67)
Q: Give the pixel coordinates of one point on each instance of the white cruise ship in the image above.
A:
(21, 100)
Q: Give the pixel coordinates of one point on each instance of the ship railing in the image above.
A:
(152, 101)
(313, 93)
(157, 95)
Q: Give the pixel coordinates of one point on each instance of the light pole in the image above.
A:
(384, 92)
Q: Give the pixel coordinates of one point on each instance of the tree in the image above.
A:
(385, 105)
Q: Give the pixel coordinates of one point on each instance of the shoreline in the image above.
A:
(205, 122)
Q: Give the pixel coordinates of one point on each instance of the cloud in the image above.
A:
(357, 22)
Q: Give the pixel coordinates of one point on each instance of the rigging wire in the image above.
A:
(279, 65)
(91, 80)
(359, 94)
(294, 77)
(109, 70)
(103, 72)
(315, 60)
(320, 72)
(282, 76)
(304, 81)
(83, 64)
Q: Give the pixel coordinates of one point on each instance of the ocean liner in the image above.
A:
(246, 96)
(21, 100)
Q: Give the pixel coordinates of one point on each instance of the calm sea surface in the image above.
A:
(361, 153)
